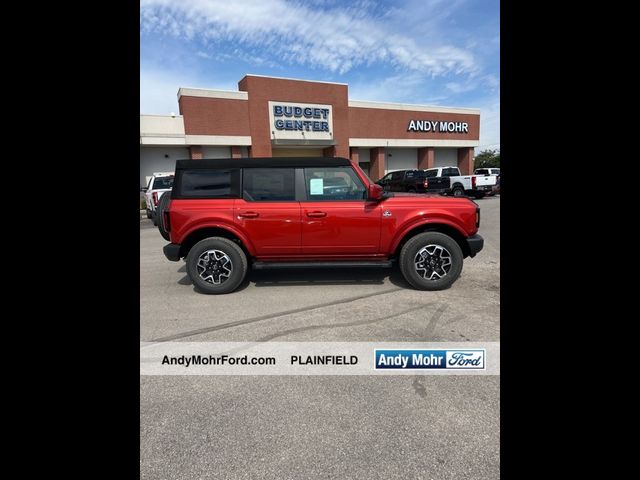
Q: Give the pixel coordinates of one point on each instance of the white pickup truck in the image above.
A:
(447, 180)
(159, 183)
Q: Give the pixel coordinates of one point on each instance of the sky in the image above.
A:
(429, 52)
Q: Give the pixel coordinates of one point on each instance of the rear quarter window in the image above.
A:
(204, 183)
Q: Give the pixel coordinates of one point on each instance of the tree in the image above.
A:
(487, 159)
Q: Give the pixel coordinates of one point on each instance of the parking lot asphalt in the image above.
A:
(323, 426)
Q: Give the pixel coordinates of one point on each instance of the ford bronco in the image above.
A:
(225, 216)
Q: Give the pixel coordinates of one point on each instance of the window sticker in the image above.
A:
(316, 186)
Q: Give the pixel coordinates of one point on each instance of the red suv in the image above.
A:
(227, 215)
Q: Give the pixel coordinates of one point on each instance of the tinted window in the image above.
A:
(482, 171)
(431, 173)
(386, 178)
(409, 174)
(397, 175)
(268, 184)
(200, 183)
(162, 182)
(333, 183)
(450, 172)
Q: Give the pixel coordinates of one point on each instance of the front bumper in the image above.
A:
(172, 251)
(475, 243)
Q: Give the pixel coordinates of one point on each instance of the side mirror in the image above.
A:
(376, 192)
(144, 189)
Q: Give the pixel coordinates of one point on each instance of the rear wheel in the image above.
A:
(458, 191)
(148, 213)
(431, 261)
(163, 204)
(479, 195)
(411, 190)
(216, 265)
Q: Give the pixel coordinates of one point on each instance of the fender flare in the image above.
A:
(400, 235)
(223, 226)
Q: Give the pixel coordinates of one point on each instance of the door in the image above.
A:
(434, 183)
(397, 184)
(337, 220)
(268, 211)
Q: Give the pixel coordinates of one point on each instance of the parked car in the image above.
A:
(443, 180)
(490, 171)
(225, 216)
(160, 183)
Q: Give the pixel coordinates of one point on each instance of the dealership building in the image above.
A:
(281, 117)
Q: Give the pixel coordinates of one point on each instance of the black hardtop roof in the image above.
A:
(264, 162)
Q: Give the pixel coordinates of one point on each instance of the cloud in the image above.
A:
(336, 38)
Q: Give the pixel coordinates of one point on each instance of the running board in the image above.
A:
(365, 264)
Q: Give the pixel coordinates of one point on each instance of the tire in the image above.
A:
(153, 219)
(223, 250)
(478, 196)
(163, 204)
(457, 191)
(439, 245)
(149, 213)
(411, 190)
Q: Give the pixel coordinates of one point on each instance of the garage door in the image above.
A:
(401, 159)
(159, 159)
(216, 152)
(446, 157)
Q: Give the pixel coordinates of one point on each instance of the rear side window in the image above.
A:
(409, 174)
(201, 183)
(450, 172)
(482, 171)
(268, 184)
(431, 173)
(162, 182)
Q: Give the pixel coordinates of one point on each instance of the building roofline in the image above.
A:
(412, 107)
(212, 93)
(293, 79)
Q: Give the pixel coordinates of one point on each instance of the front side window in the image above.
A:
(268, 184)
(214, 183)
(386, 178)
(450, 172)
(431, 173)
(482, 171)
(333, 183)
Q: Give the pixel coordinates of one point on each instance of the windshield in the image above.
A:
(162, 182)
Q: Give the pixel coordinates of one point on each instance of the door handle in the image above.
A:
(248, 214)
(316, 214)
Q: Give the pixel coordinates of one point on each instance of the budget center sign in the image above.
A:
(301, 121)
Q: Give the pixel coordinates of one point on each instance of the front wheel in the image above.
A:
(431, 261)
(216, 265)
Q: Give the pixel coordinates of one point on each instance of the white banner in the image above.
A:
(319, 358)
(300, 121)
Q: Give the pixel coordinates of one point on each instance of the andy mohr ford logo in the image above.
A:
(472, 359)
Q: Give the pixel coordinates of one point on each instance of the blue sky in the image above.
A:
(429, 52)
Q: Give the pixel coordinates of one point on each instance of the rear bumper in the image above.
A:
(172, 251)
(475, 242)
